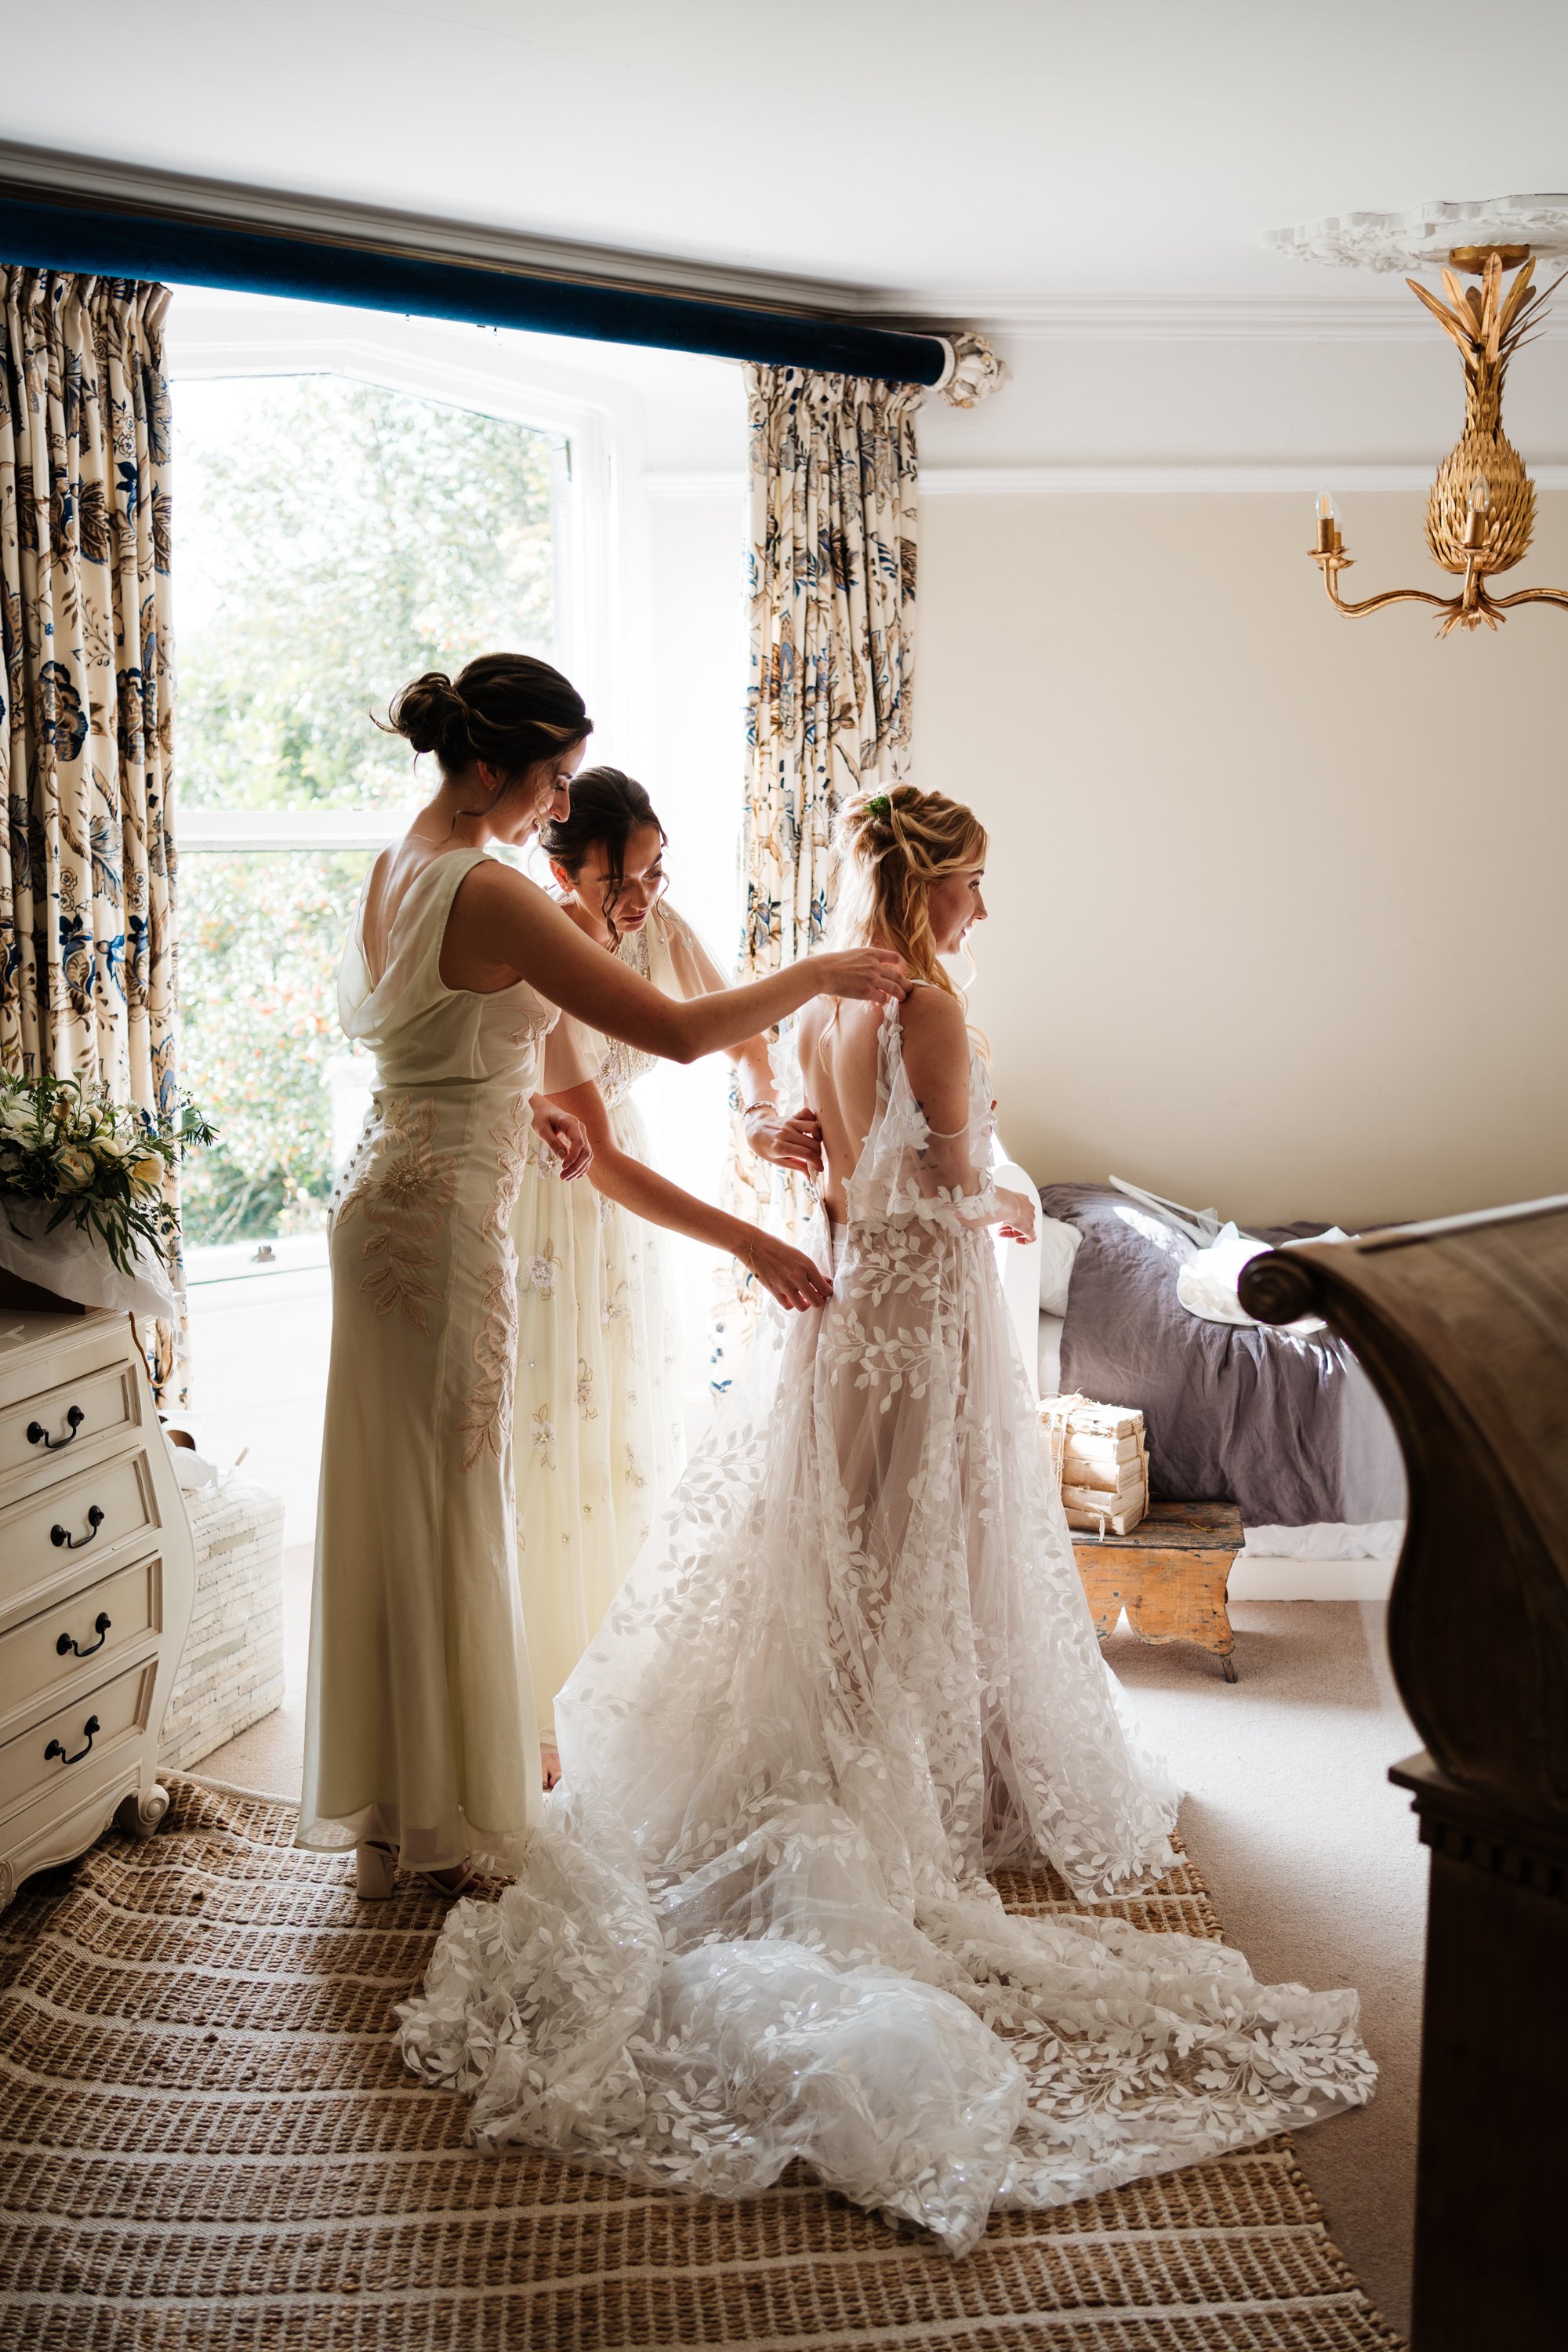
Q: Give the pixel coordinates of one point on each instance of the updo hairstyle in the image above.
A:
(889, 847)
(607, 807)
(508, 709)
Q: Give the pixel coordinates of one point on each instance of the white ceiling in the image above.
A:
(973, 160)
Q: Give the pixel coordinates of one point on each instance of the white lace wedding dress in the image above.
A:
(852, 1670)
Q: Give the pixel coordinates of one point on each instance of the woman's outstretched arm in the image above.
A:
(508, 924)
(789, 1274)
(792, 1142)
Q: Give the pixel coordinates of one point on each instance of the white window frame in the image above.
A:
(604, 566)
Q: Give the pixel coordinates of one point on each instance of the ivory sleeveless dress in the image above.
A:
(852, 1675)
(600, 1428)
(419, 1727)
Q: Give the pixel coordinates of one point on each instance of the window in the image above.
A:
(334, 537)
(359, 496)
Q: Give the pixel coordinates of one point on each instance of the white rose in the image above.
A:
(74, 1169)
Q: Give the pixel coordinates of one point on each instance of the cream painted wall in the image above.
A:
(1277, 898)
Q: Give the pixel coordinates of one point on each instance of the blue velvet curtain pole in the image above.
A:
(100, 241)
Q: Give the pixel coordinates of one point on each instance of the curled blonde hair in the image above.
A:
(889, 847)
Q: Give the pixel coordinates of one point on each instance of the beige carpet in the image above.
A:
(1315, 1867)
(1311, 1857)
(209, 2143)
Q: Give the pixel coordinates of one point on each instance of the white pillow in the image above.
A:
(1058, 1247)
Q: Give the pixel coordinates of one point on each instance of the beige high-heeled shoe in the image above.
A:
(376, 1869)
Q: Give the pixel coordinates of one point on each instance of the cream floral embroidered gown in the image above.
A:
(851, 1674)
(419, 1726)
(599, 1421)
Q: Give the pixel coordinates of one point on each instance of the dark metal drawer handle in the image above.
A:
(58, 1534)
(38, 1435)
(54, 1748)
(64, 1646)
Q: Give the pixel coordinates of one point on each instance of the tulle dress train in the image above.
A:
(852, 1672)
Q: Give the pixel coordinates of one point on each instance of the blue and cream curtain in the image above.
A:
(87, 942)
(832, 579)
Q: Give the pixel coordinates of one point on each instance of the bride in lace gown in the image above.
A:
(852, 1673)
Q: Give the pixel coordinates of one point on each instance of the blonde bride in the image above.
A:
(852, 1673)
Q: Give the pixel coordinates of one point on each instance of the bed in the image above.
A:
(1283, 1423)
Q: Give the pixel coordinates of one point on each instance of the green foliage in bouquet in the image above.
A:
(106, 1164)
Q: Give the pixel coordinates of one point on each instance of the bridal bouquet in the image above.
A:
(71, 1157)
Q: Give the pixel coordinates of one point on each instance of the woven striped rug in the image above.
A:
(207, 2141)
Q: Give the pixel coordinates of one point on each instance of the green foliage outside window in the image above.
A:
(332, 539)
(262, 935)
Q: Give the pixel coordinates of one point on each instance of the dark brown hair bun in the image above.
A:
(508, 709)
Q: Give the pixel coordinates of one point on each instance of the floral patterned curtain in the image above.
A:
(831, 584)
(832, 587)
(87, 938)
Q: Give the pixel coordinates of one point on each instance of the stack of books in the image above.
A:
(1099, 1460)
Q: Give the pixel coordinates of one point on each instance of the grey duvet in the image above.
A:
(1289, 1428)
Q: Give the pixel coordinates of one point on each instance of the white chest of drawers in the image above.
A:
(96, 1579)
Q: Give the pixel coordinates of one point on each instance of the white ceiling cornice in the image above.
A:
(1383, 316)
(1115, 481)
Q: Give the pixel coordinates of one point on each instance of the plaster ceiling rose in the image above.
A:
(1429, 235)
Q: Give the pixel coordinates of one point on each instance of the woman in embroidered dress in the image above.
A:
(599, 1417)
(852, 1673)
(420, 1740)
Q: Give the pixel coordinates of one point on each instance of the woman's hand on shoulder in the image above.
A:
(876, 975)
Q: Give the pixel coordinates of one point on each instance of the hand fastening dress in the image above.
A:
(419, 1728)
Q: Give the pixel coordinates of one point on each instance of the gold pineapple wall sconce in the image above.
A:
(1480, 514)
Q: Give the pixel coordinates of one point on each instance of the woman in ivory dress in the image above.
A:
(599, 1407)
(420, 1741)
(852, 1675)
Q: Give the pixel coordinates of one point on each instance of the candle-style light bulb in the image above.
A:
(1327, 527)
(1476, 521)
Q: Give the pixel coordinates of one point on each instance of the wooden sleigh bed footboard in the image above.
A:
(1462, 1325)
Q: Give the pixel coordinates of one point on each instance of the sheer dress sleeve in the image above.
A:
(911, 1172)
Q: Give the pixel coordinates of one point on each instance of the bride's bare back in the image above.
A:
(839, 1061)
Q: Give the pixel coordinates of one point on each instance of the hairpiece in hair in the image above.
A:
(878, 807)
